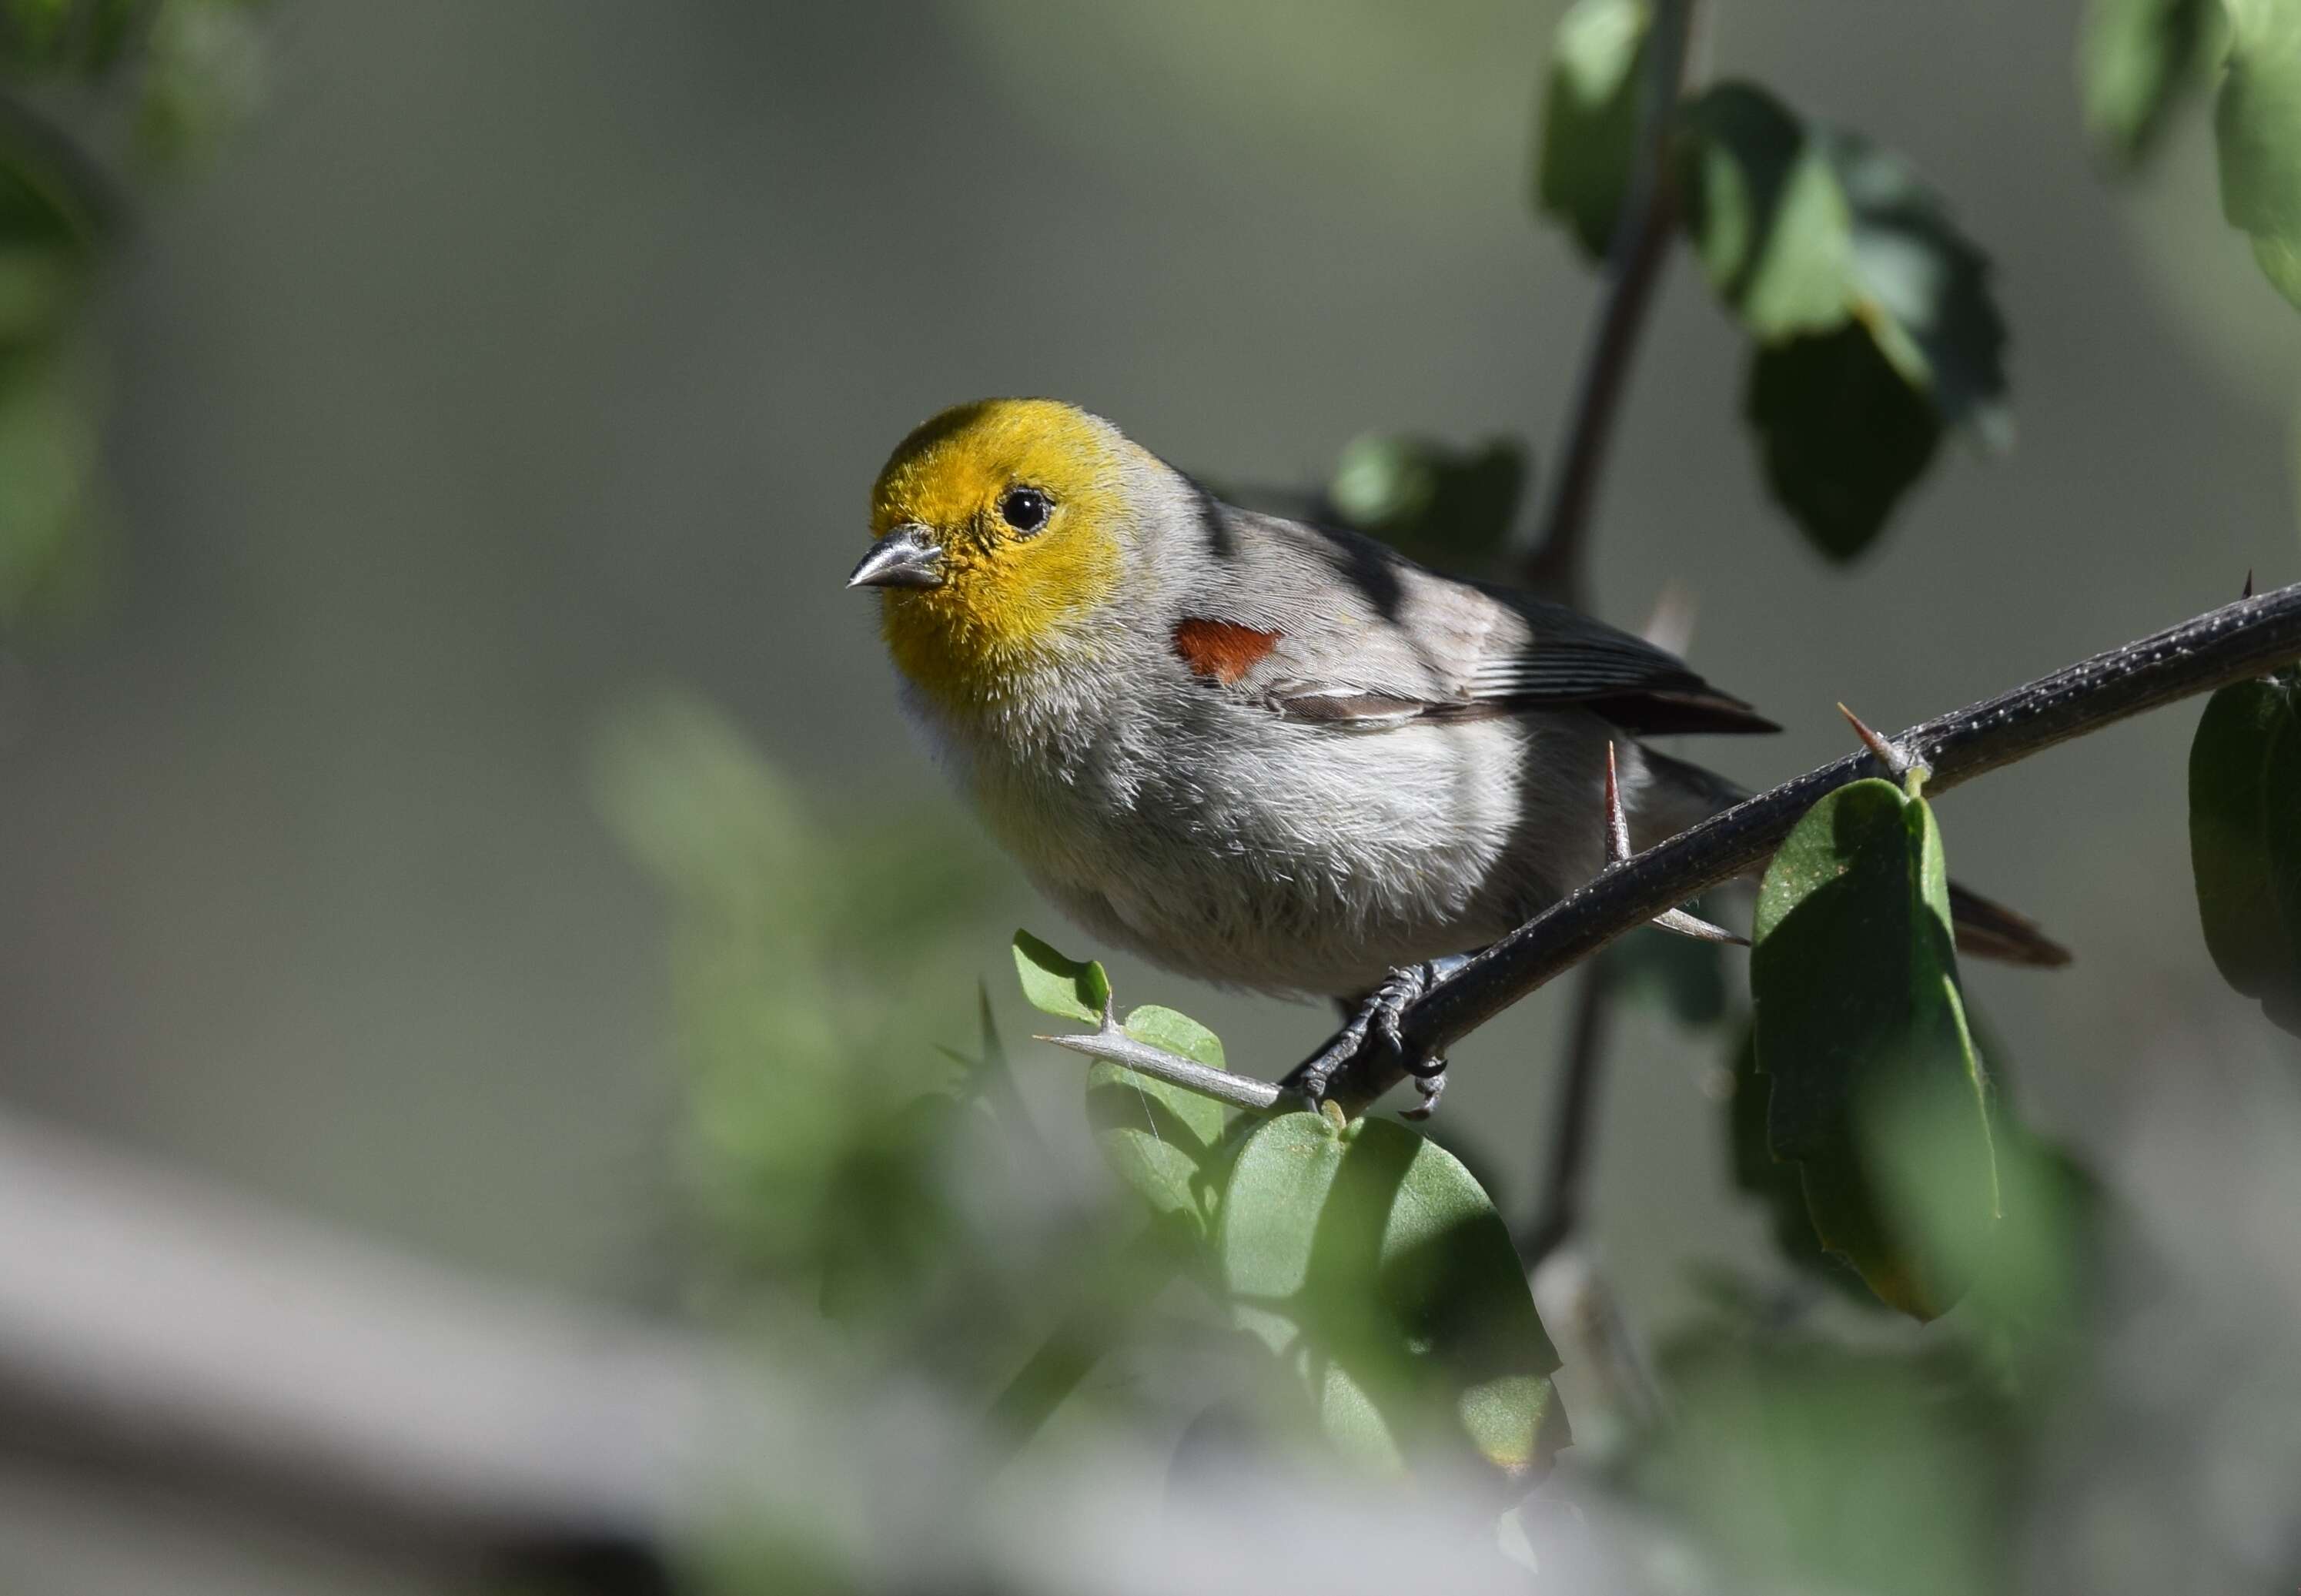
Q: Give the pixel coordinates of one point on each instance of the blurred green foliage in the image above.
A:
(822, 1114)
(92, 93)
(1448, 506)
(2136, 61)
(1807, 1463)
(2257, 128)
(1588, 130)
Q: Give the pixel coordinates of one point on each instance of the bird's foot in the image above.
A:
(1377, 1017)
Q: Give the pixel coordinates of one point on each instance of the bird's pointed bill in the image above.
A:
(904, 558)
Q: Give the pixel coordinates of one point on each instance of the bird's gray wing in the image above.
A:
(1323, 624)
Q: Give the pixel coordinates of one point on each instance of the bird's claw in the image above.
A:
(1379, 1017)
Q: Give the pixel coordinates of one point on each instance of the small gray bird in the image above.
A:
(1259, 752)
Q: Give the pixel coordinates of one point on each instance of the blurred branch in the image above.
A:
(152, 1328)
(1557, 567)
(1575, 1126)
(2233, 643)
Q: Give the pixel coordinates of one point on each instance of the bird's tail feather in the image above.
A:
(1985, 929)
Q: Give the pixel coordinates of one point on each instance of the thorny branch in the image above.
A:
(2234, 643)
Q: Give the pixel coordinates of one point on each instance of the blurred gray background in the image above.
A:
(522, 356)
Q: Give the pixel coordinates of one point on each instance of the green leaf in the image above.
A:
(1843, 437)
(1876, 1092)
(1870, 311)
(1062, 986)
(2257, 127)
(1758, 1173)
(1769, 219)
(2244, 841)
(2136, 60)
(1370, 1261)
(1166, 1142)
(1589, 129)
(1433, 501)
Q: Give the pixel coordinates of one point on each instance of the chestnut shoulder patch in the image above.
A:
(1224, 651)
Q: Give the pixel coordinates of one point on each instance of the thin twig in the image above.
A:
(2233, 643)
(1636, 255)
(1559, 564)
(1573, 1131)
(1113, 1044)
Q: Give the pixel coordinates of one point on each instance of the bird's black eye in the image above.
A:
(1024, 509)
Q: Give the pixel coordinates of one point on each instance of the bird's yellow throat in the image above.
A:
(1009, 603)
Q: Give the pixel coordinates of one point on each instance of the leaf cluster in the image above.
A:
(1367, 1263)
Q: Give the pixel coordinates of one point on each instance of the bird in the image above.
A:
(1262, 752)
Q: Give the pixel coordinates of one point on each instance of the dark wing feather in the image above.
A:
(1564, 656)
(1365, 635)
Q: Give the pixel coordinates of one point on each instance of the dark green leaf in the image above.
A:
(1063, 987)
(1369, 1259)
(2257, 126)
(1436, 502)
(1870, 311)
(1163, 1141)
(2137, 59)
(1590, 116)
(1776, 1184)
(1768, 217)
(1877, 1093)
(1841, 435)
(2244, 841)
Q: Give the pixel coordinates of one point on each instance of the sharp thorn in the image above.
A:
(1618, 825)
(1693, 925)
(2248, 585)
(1886, 753)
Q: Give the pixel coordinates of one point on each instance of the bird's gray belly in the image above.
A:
(1307, 858)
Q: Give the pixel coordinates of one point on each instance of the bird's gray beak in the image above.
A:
(903, 558)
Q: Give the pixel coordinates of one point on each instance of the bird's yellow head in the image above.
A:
(996, 530)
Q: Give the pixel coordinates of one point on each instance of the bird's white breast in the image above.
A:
(1231, 843)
